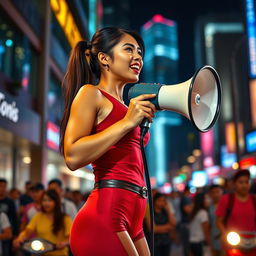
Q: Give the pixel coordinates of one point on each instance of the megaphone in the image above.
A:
(198, 99)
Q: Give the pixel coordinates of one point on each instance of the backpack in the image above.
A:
(231, 199)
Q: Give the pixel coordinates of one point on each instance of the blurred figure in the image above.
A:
(164, 223)
(215, 193)
(67, 206)
(5, 234)
(185, 209)
(237, 211)
(199, 225)
(30, 210)
(50, 224)
(7, 206)
(14, 194)
(78, 199)
(68, 194)
(26, 198)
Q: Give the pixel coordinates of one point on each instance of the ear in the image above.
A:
(103, 58)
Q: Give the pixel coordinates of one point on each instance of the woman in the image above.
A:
(164, 223)
(98, 128)
(199, 225)
(50, 224)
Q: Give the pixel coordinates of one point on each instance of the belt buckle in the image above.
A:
(144, 192)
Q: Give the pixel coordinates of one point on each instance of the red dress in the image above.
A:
(111, 210)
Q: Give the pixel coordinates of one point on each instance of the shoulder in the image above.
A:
(87, 92)
(203, 215)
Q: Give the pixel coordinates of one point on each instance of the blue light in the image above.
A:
(227, 159)
(2, 49)
(251, 141)
(251, 28)
(8, 42)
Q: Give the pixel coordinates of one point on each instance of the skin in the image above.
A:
(90, 107)
(48, 205)
(241, 190)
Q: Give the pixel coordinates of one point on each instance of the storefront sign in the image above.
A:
(18, 119)
(66, 21)
(8, 109)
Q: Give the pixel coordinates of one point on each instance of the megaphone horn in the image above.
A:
(198, 99)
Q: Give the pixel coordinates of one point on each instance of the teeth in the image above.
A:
(135, 66)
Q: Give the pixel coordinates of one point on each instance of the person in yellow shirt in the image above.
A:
(50, 224)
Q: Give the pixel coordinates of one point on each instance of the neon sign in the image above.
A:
(66, 21)
(251, 30)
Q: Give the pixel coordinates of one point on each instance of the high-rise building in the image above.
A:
(36, 38)
(220, 42)
(160, 66)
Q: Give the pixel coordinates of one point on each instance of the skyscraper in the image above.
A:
(160, 66)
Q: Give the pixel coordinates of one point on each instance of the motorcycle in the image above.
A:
(241, 243)
(38, 246)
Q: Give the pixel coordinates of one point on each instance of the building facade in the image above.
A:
(36, 38)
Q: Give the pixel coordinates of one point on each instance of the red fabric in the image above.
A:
(111, 210)
(242, 216)
(107, 211)
(122, 161)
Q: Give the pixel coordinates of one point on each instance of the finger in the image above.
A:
(145, 96)
(147, 103)
(148, 111)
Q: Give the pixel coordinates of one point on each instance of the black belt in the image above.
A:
(142, 191)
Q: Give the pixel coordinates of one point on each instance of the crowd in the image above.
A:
(199, 222)
(45, 212)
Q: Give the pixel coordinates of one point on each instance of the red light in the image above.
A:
(158, 18)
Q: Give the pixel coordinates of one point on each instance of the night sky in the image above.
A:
(184, 13)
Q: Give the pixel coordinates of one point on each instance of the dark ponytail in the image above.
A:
(78, 73)
(84, 68)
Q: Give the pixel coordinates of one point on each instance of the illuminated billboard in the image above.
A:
(251, 33)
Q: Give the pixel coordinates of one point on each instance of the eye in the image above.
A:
(140, 52)
(129, 49)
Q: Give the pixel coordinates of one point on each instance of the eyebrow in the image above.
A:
(128, 44)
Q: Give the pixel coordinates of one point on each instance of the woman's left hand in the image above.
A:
(61, 245)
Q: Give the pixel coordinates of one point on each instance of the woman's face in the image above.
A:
(126, 63)
(160, 202)
(48, 204)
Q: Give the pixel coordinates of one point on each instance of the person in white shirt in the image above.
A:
(199, 225)
(5, 233)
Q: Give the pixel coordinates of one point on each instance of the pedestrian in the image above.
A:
(237, 211)
(165, 222)
(98, 128)
(50, 224)
(199, 233)
(215, 193)
(67, 206)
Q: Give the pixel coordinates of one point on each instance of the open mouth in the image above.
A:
(135, 68)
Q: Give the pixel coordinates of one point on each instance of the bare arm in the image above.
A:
(206, 230)
(25, 234)
(6, 234)
(82, 148)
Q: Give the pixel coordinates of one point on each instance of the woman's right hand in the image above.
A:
(140, 108)
(17, 243)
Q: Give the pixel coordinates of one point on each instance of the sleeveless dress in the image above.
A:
(111, 210)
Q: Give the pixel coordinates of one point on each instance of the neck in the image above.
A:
(113, 86)
(49, 214)
(242, 197)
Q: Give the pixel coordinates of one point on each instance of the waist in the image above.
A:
(122, 184)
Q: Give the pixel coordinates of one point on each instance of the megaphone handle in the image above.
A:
(145, 125)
